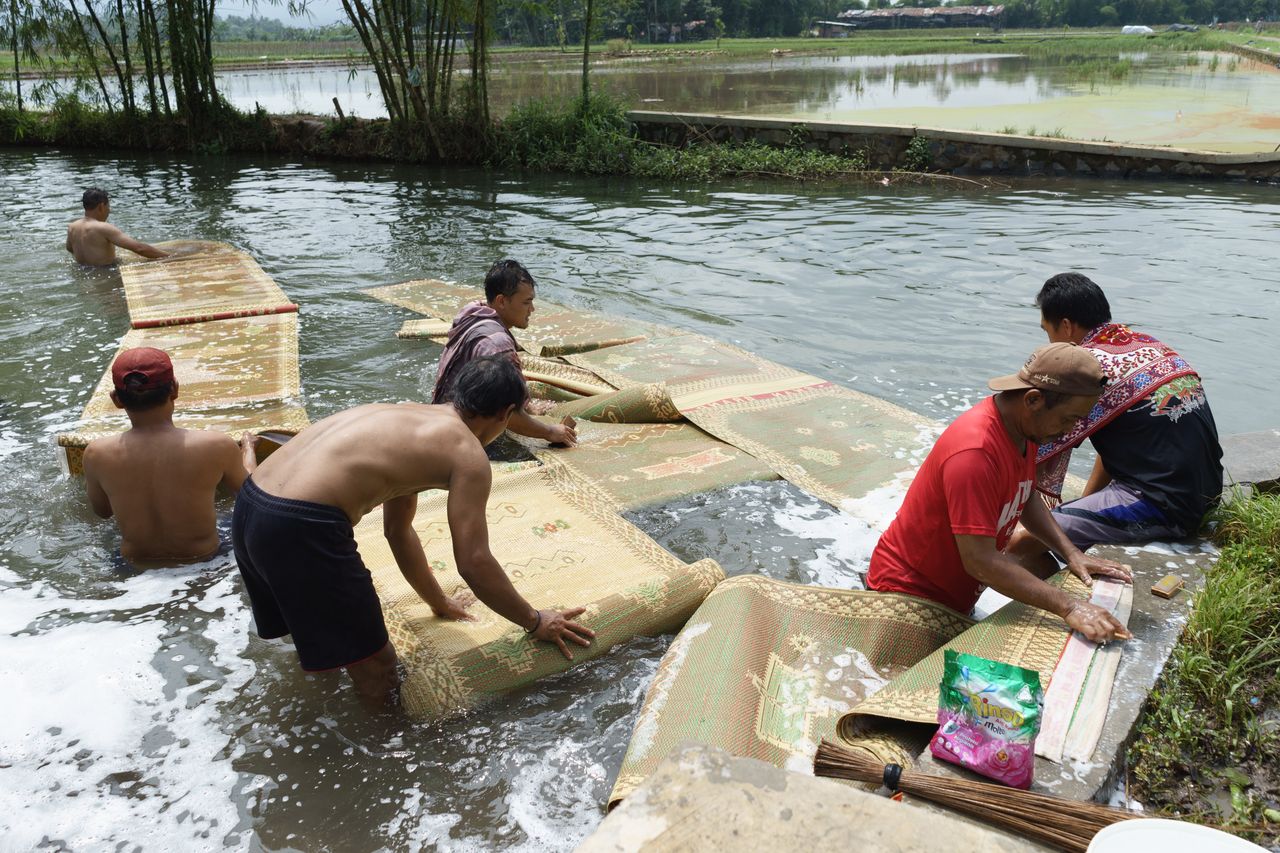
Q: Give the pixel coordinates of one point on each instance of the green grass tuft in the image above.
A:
(1208, 745)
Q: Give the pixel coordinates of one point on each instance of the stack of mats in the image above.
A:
(766, 669)
(235, 374)
(562, 546)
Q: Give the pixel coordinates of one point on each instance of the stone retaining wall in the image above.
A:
(958, 152)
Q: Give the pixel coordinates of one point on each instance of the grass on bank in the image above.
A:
(1208, 745)
(565, 137)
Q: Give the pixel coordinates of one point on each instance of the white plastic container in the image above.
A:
(1167, 836)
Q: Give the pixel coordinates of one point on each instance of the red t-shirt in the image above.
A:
(973, 482)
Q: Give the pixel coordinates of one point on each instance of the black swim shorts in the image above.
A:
(305, 577)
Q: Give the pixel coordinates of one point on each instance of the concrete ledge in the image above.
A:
(1253, 459)
(954, 150)
(705, 799)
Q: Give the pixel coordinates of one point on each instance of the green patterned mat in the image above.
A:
(766, 669)
(639, 465)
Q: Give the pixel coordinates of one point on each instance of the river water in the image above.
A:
(141, 712)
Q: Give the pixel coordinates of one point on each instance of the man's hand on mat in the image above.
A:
(1095, 623)
(455, 608)
(557, 626)
(562, 434)
(1085, 567)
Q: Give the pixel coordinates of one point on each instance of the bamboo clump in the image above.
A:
(1065, 824)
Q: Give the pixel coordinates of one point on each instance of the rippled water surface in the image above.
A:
(142, 711)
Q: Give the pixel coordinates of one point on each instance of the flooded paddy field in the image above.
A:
(143, 712)
(1200, 100)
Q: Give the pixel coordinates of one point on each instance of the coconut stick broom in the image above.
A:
(1064, 824)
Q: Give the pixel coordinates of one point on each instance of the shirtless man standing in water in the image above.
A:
(159, 480)
(92, 241)
(292, 527)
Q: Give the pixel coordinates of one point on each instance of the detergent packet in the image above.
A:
(988, 718)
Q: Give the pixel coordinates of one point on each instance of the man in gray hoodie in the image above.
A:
(484, 328)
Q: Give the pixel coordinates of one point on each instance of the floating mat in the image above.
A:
(835, 443)
(764, 669)
(885, 724)
(555, 329)
(215, 281)
(563, 546)
(637, 465)
(233, 375)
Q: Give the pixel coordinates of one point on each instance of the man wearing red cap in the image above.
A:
(948, 540)
(158, 480)
(92, 241)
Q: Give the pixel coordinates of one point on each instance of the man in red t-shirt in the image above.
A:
(948, 539)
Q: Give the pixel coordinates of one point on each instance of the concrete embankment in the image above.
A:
(955, 151)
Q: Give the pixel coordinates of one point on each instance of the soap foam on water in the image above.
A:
(100, 731)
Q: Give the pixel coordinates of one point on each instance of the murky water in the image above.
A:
(142, 712)
(1221, 103)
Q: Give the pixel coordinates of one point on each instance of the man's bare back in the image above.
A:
(92, 241)
(363, 457)
(159, 482)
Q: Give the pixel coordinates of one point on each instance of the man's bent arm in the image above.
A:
(469, 528)
(124, 241)
(233, 470)
(1099, 478)
(1040, 522)
(1006, 575)
(406, 547)
(98, 499)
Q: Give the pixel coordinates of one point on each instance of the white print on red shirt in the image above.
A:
(1012, 511)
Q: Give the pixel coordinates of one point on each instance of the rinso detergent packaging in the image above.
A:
(988, 718)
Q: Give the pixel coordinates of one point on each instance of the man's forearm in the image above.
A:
(1040, 523)
(412, 561)
(494, 589)
(1007, 577)
(1099, 478)
(522, 423)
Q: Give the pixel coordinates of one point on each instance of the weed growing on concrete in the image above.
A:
(1208, 745)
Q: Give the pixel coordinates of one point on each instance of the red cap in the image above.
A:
(152, 364)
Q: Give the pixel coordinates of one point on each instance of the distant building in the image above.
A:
(898, 17)
(833, 29)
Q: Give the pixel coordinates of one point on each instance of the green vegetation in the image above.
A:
(1208, 746)
(596, 140)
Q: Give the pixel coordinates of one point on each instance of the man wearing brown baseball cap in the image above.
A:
(159, 481)
(948, 540)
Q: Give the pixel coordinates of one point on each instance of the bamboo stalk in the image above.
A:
(1066, 824)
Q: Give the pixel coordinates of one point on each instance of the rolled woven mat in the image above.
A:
(563, 546)
(639, 404)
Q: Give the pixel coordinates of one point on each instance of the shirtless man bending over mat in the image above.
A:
(293, 537)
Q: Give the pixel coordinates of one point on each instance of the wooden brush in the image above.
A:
(1064, 824)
